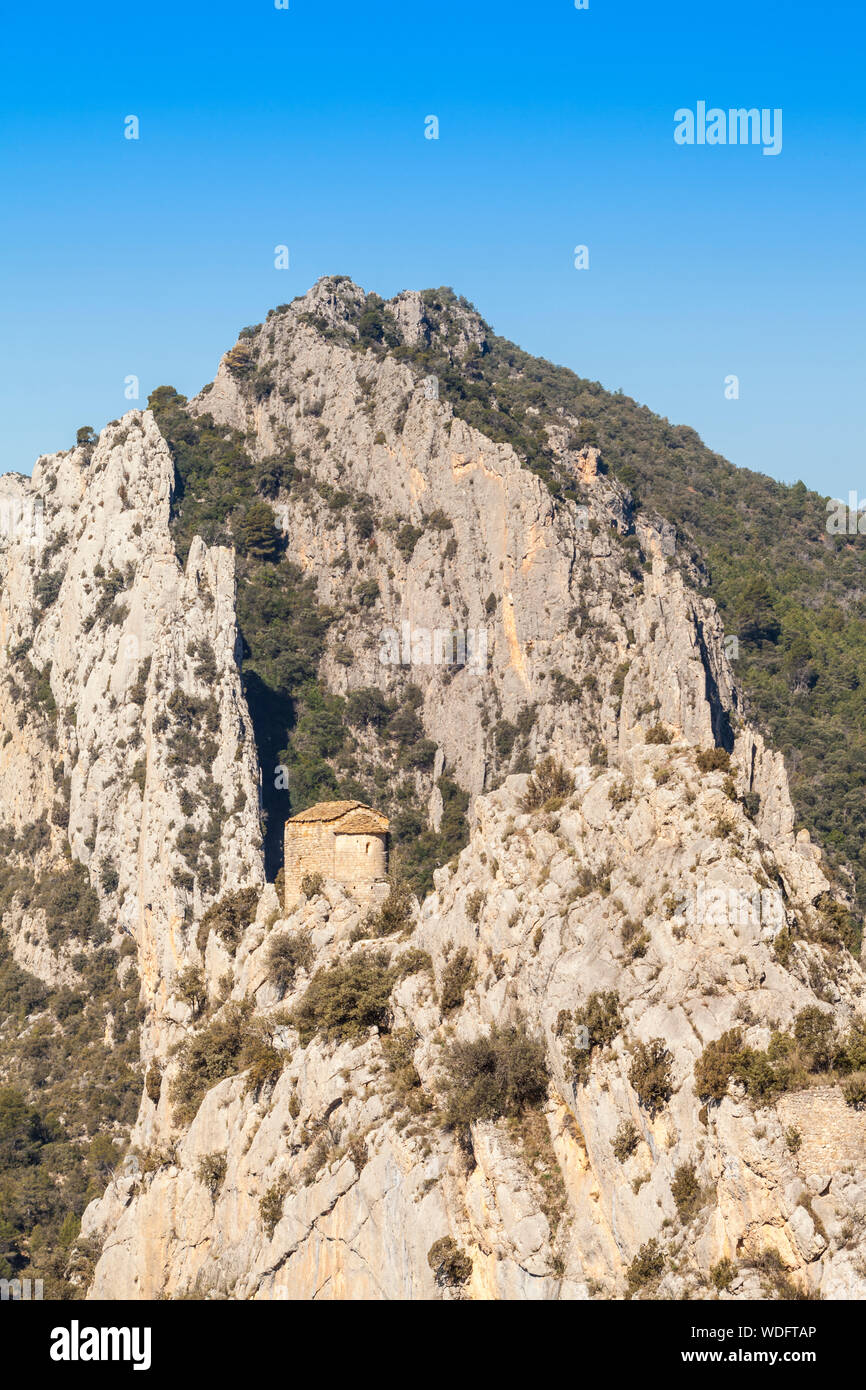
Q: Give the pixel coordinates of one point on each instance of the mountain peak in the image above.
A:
(387, 558)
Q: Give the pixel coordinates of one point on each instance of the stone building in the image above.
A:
(342, 840)
(832, 1133)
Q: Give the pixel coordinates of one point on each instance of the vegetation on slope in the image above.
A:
(300, 725)
(70, 1091)
(793, 595)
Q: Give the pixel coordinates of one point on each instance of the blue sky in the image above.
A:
(306, 127)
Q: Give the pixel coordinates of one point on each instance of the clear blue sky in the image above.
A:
(306, 127)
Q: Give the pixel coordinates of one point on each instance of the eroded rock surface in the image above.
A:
(686, 893)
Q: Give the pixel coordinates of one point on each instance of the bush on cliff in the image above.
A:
(288, 952)
(228, 918)
(345, 1000)
(501, 1073)
(548, 783)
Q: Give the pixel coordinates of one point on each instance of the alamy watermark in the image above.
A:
(20, 1290)
(846, 518)
(714, 903)
(77, 1343)
(423, 646)
(736, 126)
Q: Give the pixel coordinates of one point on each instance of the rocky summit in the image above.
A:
(590, 1024)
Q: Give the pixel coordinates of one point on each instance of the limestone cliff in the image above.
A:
(136, 654)
(652, 898)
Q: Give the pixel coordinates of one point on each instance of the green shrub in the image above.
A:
(138, 690)
(345, 1000)
(153, 1082)
(687, 1192)
(257, 533)
(358, 1152)
(625, 1140)
(811, 1048)
(458, 976)
(650, 1074)
(723, 1274)
(261, 1061)
(367, 593)
(474, 904)
(776, 1280)
(271, 1207)
(620, 793)
(421, 851)
(547, 783)
(592, 881)
(617, 685)
(47, 588)
(21, 1130)
(713, 760)
(451, 1266)
(854, 1089)
(411, 962)
(592, 1025)
(635, 940)
(367, 708)
(190, 986)
(288, 952)
(194, 723)
(719, 1061)
(793, 1139)
(399, 1051)
(70, 904)
(395, 914)
(205, 1059)
(312, 885)
(646, 1268)
(658, 734)
(851, 1055)
(783, 946)
(229, 918)
(205, 668)
(751, 804)
(407, 538)
(814, 1031)
(836, 926)
(211, 1172)
(499, 1074)
(504, 737)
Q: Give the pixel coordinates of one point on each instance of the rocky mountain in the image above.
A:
(603, 1033)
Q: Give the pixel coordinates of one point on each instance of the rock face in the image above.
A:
(134, 652)
(359, 1209)
(317, 1161)
(542, 597)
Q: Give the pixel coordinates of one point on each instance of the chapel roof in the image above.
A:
(355, 817)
